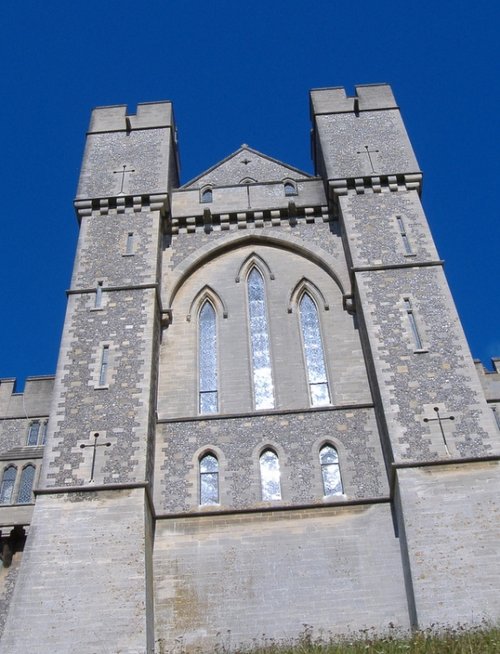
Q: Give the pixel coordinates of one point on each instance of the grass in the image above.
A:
(459, 641)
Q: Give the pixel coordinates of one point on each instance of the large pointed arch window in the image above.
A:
(330, 470)
(7, 484)
(259, 341)
(25, 493)
(270, 476)
(313, 350)
(209, 480)
(207, 347)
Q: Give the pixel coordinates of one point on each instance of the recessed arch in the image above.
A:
(305, 285)
(207, 293)
(251, 261)
(211, 251)
(248, 180)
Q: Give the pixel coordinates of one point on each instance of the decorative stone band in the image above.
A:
(123, 204)
(385, 183)
(208, 221)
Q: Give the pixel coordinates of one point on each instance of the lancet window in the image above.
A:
(207, 347)
(209, 480)
(259, 342)
(206, 195)
(319, 392)
(330, 471)
(25, 493)
(7, 484)
(270, 476)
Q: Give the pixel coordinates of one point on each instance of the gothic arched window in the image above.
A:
(7, 485)
(330, 470)
(270, 475)
(24, 495)
(206, 195)
(33, 432)
(313, 351)
(209, 480)
(290, 188)
(207, 347)
(259, 341)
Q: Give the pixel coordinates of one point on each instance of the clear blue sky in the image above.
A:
(239, 73)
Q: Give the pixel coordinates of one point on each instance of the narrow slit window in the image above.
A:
(259, 342)
(290, 188)
(270, 476)
(7, 485)
(330, 471)
(98, 295)
(413, 324)
(25, 494)
(103, 371)
(497, 415)
(33, 431)
(207, 195)
(207, 347)
(209, 480)
(404, 235)
(130, 243)
(319, 392)
(43, 440)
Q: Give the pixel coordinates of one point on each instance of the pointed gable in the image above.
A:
(246, 164)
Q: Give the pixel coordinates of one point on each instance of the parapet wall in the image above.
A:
(490, 380)
(33, 402)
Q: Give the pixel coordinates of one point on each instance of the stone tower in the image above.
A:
(265, 417)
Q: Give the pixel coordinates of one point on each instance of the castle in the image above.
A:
(265, 417)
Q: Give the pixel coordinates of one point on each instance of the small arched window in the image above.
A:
(207, 348)
(33, 431)
(290, 188)
(25, 493)
(259, 342)
(209, 480)
(313, 350)
(206, 195)
(330, 471)
(7, 485)
(270, 475)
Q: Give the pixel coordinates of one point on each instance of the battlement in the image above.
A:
(369, 97)
(116, 119)
(490, 379)
(34, 401)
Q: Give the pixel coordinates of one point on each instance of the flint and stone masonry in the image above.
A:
(182, 485)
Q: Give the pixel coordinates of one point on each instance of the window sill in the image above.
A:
(101, 388)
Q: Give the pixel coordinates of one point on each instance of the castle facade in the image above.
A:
(265, 418)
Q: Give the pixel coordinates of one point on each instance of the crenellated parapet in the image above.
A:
(360, 143)
(34, 401)
(490, 379)
(129, 158)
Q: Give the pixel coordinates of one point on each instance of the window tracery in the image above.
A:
(209, 480)
(259, 342)
(319, 392)
(207, 363)
(330, 471)
(270, 476)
